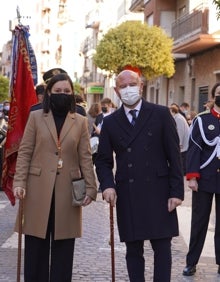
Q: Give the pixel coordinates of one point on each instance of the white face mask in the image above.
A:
(130, 95)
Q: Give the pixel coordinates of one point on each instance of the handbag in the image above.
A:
(78, 191)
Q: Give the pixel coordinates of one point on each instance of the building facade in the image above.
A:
(195, 30)
(65, 33)
(104, 14)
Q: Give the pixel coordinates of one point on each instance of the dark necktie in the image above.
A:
(134, 116)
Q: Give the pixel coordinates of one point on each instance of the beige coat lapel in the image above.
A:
(68, 124)
(49, 120)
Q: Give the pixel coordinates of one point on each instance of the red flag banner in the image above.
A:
(23, 96)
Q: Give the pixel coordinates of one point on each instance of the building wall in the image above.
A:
(166, 5)
(5, 63)
(155, 8)
(194, 74)
(204, 69)
(182, 85)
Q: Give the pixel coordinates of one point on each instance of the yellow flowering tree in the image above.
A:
(135, 44)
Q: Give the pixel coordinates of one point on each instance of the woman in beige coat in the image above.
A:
(54, 150)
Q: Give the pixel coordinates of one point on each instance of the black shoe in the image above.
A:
(219, 269)
(190, 270)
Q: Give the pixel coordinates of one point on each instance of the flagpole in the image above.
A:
(20, 211)
(18, 15)
(112, 241)
(20, 216)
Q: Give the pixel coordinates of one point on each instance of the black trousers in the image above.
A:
(48, 260)
(162, 260)
(201, 209)
(183, 159)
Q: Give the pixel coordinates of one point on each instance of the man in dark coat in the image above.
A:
(148, 183)
(79, 105)
(106, 106)
(40, 89)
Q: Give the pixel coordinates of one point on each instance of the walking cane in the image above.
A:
(112, 241)
(20, 215)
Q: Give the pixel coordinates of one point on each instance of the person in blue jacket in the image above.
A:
(148, 183)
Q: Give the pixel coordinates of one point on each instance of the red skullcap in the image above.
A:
(134, 69)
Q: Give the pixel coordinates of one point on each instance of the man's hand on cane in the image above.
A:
(110, 196)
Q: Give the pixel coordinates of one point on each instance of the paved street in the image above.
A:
(92, 260)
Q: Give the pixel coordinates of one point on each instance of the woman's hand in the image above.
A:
(19, 193)
(87, 201)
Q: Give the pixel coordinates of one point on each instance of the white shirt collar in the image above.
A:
(137, 108)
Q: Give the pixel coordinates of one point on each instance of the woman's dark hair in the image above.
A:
(214, 88)
(78, 98)
(52, 81)
(94, 110)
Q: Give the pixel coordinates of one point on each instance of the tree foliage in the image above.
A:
(4, 88)
(217, 3)
(77, 88)
(138, 45)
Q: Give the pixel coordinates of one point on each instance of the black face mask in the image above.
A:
(61, 102)
(104, 110)
(5, 112)
(217, 101)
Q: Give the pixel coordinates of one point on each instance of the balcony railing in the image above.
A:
(191, 24)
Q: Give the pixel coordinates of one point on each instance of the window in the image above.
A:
(182, 11)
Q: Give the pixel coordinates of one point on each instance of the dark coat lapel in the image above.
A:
(132, 132)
